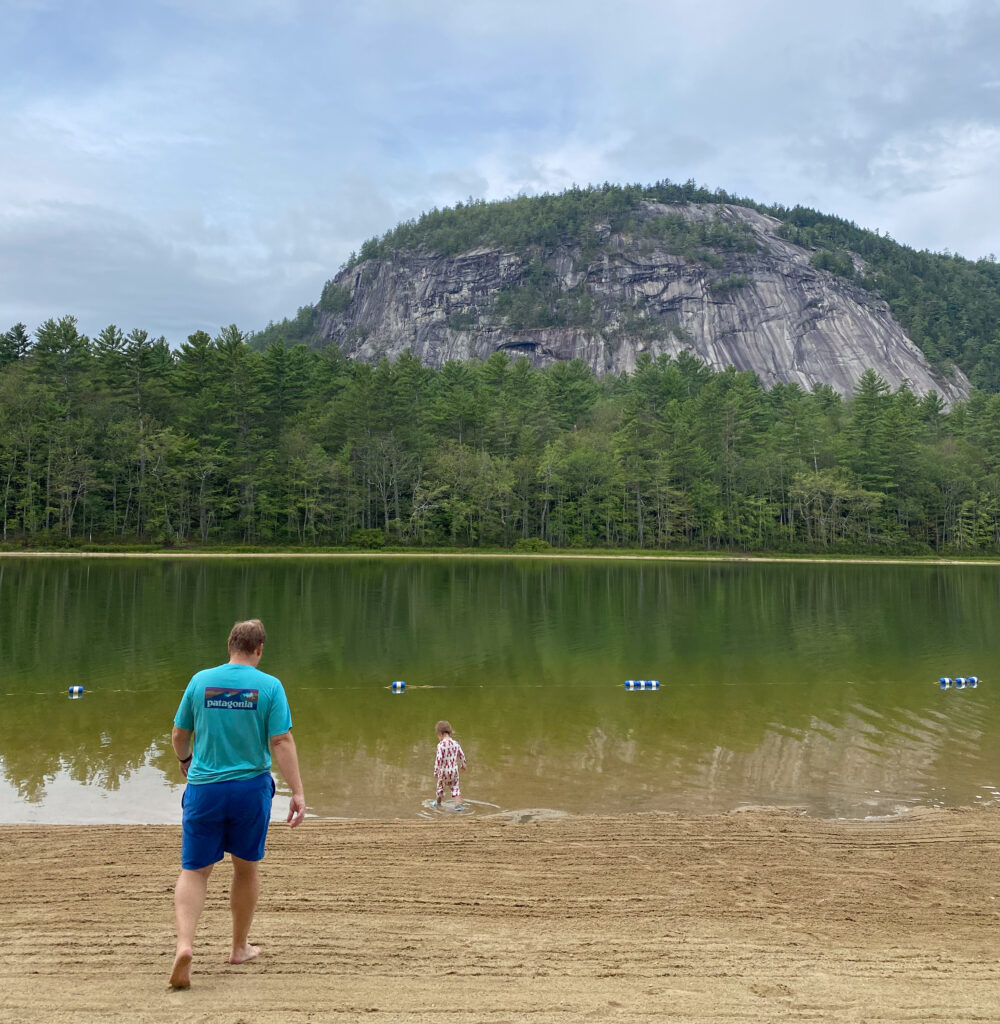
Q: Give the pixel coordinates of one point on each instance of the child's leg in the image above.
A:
(456, 789)
(440, 788)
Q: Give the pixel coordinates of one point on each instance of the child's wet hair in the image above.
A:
(443, 728)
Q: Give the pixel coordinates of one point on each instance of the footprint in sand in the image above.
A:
(771, 991)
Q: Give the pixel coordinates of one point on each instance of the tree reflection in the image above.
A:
(769, 672)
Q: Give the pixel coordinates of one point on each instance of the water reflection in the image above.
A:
(803, 685)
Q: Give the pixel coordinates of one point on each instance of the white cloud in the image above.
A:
(177, 165)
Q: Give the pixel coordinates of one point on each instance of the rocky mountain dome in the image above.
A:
(716, 280)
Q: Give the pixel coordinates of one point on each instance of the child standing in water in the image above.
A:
(449, 760)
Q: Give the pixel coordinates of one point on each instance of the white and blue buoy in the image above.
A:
(398, 686)
(76, 691)
(959, 682)
(642, 684)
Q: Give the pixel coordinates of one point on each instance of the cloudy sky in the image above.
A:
(186, 164)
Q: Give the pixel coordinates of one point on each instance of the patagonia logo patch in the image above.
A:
(230, 699)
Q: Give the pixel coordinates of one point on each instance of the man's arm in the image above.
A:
(181, 739)
(283, 749)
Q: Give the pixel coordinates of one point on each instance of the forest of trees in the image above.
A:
(121, 440)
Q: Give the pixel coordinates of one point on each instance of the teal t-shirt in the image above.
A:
(234, 710)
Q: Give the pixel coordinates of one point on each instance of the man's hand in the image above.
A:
(296, 810)
(283, 748)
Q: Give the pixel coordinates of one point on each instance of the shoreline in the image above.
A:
(524, 815)
(756, 916)
(167, 555)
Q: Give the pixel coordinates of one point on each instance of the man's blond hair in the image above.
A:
(246, 637)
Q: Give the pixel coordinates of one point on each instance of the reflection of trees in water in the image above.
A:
(754, 660)
(864, 762)
(131, 633)
(92, 742)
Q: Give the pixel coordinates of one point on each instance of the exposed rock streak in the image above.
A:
(767, 310)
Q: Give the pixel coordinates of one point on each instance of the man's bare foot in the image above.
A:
(180, 976)
(242, 955)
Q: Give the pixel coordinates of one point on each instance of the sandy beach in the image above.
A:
(761, 915)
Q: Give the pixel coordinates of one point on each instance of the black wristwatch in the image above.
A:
(186, 760)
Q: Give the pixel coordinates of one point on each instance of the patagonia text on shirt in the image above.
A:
(231, 699)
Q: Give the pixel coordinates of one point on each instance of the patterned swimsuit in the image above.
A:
(447, 762)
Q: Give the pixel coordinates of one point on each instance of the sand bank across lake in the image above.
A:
(754, 916)
(556, 554)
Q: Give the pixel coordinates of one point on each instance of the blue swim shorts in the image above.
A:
(225, 817)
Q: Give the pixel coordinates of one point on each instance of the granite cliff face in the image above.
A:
(715, 280)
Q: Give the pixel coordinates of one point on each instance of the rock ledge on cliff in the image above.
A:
(744, 297)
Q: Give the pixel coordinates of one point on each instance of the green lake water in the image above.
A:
(806, 685)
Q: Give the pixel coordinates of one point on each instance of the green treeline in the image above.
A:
(120, 440)
(527, 221)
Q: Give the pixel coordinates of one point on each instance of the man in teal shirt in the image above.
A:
(230, 721)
